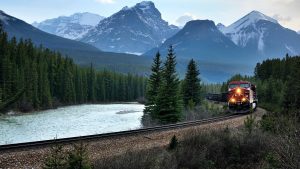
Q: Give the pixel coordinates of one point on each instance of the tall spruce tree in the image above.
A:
(91, 84)
(191, 88)
(153, 85)
(168, 103)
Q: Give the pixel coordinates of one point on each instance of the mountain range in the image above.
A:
(220, 50)
(131, 30)
(217, 56)
(82, 53)
(71, 27)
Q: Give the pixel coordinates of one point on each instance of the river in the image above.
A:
(70, 121)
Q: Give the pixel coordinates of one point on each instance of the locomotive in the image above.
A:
(241, 96)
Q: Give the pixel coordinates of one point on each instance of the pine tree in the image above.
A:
(168, 103)
(78, 86)
(153, 85)
(33, 96)
(78, 158)
(44, 93)
(56, 158)
(173, 143)
(191, 88)
(68, 86)
(91, 84)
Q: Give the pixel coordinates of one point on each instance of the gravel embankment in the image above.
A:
(33, 158)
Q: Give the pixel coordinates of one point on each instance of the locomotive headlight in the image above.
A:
(244, 99)
(232, 100)
(238, 91)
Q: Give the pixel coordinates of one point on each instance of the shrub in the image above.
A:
(191, 105)
(78, 158)
(155, 158)
(249, 123)
(173, 143)
(56, 159)
(272, 161)
(268, 123)
(221, 149)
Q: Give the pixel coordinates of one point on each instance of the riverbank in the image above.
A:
(18, 112)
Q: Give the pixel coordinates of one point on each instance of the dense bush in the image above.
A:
(219, 149)
(275, 144)
(285, 152)
(148, 159)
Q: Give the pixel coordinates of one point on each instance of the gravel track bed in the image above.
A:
(104, 147)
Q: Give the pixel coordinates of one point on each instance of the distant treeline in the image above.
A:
(43, 79)
(278, 83)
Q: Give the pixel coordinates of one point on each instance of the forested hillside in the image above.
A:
(277, 82)
(38, 78)
(280, 83)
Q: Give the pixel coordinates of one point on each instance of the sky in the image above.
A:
(174, 11)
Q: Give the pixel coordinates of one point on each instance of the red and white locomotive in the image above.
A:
(241, 96)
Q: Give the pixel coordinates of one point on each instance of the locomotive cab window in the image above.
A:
(244, 85)
(231, 86)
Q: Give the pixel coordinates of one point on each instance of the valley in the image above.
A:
(149, 84)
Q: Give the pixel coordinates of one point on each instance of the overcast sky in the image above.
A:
(174, 11)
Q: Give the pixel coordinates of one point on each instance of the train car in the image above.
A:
(241, 97)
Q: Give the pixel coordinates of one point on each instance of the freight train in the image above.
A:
(241, 97)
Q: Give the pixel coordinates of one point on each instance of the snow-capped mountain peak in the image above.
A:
(145, 9)
(260, 33)
(249, 29)
(133, 29)
(250, 19)
(86, 18)
(145, 5)
(71, 27)
(255, 16)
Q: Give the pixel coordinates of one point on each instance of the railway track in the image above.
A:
(115, 134)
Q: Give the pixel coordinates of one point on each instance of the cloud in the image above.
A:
(282, 18)
(106, 1)
(182, 20)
